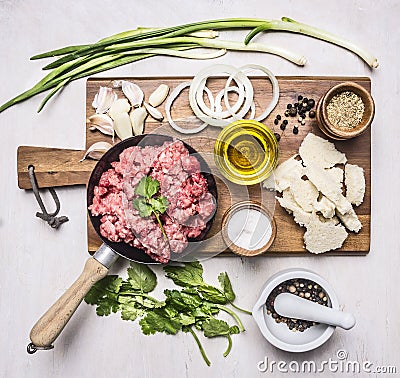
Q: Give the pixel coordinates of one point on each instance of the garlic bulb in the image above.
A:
(96, 150)
(133, 93)
(102, 123)
(103, 100)
(159, 95)
(138, 116)
(155, 113)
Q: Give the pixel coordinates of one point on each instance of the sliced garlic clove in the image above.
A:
(118, 107)
(138, 116)
(133, 93)
(159, 95)
(102, 123)
(96, 150)
(155, 113)
(104, 99)
(123, 126)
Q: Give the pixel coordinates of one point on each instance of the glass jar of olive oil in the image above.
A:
(246, 152)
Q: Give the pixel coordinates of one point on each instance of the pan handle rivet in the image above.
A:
(32, 348)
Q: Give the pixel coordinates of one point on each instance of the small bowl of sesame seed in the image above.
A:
(345, 111)
(294, 335)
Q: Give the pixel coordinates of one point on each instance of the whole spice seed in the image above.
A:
(277, 136)
(283, 126)
(278, 117)
(295, 130)
(297, 286)
(311, 114)
(293, 112)
(276, 121)
(345, 110)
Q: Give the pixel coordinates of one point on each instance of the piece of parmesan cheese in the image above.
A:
(350, 220)
(304, 193)
(327, 186)
(283, 173)
(322, 237)
(325, 206)
(336, 174)
(320, 151)
(355, 184)
(288, 202)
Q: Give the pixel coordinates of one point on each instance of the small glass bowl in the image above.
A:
(265, 143)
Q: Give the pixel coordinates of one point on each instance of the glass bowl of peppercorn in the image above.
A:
(294, 335)
(345, 111)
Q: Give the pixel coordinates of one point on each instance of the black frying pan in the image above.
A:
(50, 325)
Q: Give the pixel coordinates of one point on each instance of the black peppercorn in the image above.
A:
(311, 102)
(295, 130)
(293, 112)
(296, 104)
(305, 100)
(278, 117)
(282, 126)
(300, 97)
(285, 122)
(276, 121)
(287, 113)
(288, 106)
(308, 108)
(311, 114)
(277, 136)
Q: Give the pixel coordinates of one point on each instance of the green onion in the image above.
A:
(78, 61)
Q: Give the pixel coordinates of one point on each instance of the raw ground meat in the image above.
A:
(190, 203)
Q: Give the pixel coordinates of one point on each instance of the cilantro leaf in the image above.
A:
(129, 310)
(159, 321)
(212, 294)
(141, 277)
(142, 206)
(159, 204)
(182, 301)
(226, 286)
(191, 274)
(215, 327)
(104, 294)
(147, 187)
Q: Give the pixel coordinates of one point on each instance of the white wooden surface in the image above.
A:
(39, 263)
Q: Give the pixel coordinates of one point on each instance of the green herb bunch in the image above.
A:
(194, 306)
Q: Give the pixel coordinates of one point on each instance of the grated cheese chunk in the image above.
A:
(320, 151)
(355, 184)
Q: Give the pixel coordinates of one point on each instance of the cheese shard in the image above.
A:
(355, 184)
(336, 174)
(326, 185)
(322, 237)
(326, 207)
(288, 202)
(350, 220)
(285, 171)
(304, 193)
(320, 151)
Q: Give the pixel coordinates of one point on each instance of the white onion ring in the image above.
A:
(220, 94)
(211, 71)
(215, 113)
(172, 97)
(275, 90)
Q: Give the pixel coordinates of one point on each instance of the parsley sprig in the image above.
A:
(193, 307)
(147, 203)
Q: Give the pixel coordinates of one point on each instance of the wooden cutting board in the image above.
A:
(60, 167)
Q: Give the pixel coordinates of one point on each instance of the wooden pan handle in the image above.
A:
(53, 166)
(50, 325)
